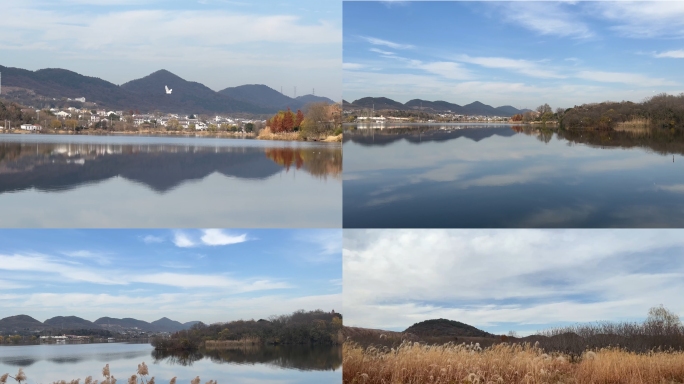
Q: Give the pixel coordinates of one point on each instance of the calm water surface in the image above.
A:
(44, 364)
(511, 176)
(120, 181)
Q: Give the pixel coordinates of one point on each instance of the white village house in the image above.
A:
(31, 127)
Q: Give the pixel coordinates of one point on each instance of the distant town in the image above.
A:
(75, 119)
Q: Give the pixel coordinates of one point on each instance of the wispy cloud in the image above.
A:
(98, 257)
(386, 43)
(624, 78)
(150, 239)
(643, 19)
(675, 54)
(526, 67)
(545, 18)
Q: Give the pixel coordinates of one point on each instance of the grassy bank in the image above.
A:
(505, 363)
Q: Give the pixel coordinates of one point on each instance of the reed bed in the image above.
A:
(413, 363)
(141, 377)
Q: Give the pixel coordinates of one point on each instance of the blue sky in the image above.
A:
(219, 43)
(209, 275)
(501, 280)
(513, 53)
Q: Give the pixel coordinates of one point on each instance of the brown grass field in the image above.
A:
(413, 362)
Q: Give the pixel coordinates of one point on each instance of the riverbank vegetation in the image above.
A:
(647, 352)
(141, 376)
(299, 328)
(319, 122)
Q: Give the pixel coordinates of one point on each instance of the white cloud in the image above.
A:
(526, 67)
(545, 18)
(393, 278)
(386, 43)
(182, 240)
(624, 78)
(100, 258)
(676, 54)
(215, 237)
(209, 281)
(643, 19)
(327, 243)
(150, 239)
(352, 66)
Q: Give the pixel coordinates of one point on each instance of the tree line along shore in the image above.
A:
(299, 328)
(319, 121)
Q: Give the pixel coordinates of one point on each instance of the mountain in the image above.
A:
(162, 325)
(70, 322)
(167, 325)
(110, 322)
(260, 94)
(189, 324)
(268, 97)
(436, 106)
(474, 108)
(187, 96)
(19, 323)
(379, 103)
(146, 94)
(306, 99)
(444, 327)
(58, 83)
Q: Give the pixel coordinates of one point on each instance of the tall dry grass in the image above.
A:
(413, 363)
(140, 377)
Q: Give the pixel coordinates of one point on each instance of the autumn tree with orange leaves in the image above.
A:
(285, 121)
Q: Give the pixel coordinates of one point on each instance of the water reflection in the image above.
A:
(64, 181)
(59, 167)
(304, 358)
(512, 176)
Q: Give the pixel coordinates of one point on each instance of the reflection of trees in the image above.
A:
(177, 358)
(19, 362)
(662, 141)
(305, 358)
(319, 162)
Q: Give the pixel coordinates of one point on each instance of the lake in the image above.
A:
(133, 181)
(44, 364)
(479, 175)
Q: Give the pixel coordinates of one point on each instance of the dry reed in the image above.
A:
(108, 378)
(413, 363)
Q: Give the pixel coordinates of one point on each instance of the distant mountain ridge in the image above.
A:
(474, 108)
(65, 323)
(147, 94)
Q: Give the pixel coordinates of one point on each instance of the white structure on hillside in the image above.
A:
(168, 91)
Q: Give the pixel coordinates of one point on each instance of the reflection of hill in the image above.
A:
(54, 167)
(421, 134)
(305, 358)
(320, 162)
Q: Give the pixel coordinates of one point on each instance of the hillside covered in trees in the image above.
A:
(299, 328)
(660, 111)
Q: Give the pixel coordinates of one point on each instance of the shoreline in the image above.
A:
(203, 134)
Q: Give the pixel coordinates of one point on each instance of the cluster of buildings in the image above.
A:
(102, 116)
